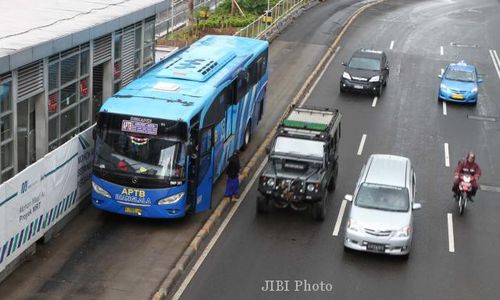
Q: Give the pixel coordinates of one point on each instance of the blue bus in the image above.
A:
(163, 140)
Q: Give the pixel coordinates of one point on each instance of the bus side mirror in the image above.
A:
(268, 149)
(344, 63)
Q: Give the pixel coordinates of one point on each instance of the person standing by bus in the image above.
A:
(233, 182)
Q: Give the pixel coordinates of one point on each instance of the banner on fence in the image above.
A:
(42, 194)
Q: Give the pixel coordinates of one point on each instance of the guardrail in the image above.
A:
(273, 20)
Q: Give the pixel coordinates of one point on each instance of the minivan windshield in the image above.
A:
(383, 197)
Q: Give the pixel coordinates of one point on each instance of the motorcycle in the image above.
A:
(465, 188)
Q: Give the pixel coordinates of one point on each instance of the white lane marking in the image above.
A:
(212, 242)
(442, 71)
(451, 238)
(496, 61)
(319, 77)
(441, 50)
(392, 45)
(444, 108)
(374, 103)
(339, 218)
(361, 145)
(446, 155)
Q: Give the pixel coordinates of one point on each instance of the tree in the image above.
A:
(190, 12)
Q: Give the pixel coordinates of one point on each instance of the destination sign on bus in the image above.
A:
(143, 127)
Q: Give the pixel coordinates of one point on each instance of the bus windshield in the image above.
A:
(139, 154)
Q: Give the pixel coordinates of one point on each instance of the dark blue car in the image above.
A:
(459, 83)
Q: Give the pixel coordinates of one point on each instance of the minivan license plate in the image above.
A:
(375, 247)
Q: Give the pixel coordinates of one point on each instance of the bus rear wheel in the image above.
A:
(247, 137)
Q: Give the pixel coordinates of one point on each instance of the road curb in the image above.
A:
(190, 252)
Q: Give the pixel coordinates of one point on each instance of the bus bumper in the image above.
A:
(152, 211)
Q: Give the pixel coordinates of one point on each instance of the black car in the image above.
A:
(367, 71)
(302, 165)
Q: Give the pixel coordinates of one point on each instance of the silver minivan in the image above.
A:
(381, 215)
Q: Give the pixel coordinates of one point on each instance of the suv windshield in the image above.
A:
(365, 63)
(383, 197)
(145, 155)
(302, 147)
(460, 75)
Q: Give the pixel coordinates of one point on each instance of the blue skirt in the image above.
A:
(232, 187)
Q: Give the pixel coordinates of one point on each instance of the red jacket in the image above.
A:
(466, 167)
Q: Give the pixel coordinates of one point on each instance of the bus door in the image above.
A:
(205, 170)
(194, 161)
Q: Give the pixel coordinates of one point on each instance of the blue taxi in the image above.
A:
(459, 83)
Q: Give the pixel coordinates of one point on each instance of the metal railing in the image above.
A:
(280, 13)
(177, 14)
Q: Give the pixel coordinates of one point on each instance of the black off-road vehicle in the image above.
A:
(303, 161)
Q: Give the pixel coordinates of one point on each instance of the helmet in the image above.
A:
(471, 157)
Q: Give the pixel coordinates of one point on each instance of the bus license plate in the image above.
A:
(375, 247)
(133, 210)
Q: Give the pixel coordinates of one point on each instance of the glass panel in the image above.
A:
(84, 111)
(148, 55)
(118, 46)
(116, 87)
(84, 88)
(68, 95)
(53, 146)
(53, 129)
(149, 32)
(84, 63)
(117, 70)
(6, 127)
(7, 175)
(53, 103)
(22, 135)
(84, 126)
(68, 137)
(68, 120)
(53, 76)
(137, 60)
(138, 43)
(5, 92)
(7, 154)
(68, 69)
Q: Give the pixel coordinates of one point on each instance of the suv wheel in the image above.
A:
(333, 180)
(319, 208)
(263, 204)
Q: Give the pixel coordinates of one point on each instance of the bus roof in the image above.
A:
(179, 87)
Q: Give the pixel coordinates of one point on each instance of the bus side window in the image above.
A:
(242, 85)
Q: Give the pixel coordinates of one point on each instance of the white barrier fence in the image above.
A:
(41, 195)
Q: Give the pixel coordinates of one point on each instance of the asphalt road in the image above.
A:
(105, 256)
(407, 120)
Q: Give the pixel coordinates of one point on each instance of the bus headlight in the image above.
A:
(311, 187)
(171, 199)
(100, 190)
(270, 182)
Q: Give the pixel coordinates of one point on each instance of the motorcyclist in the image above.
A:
(467, 166)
